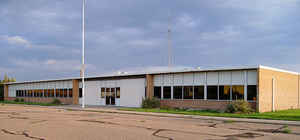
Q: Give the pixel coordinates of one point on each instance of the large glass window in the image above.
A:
(61, 93)
(177, 92)
(198, 92)
(188, 92)
(80, 92)
(212, 92)
(17, 93)
(56, 92)
(224, 92)
(157, 92)
(112, 91)
(51, 93)
(41, 92)
(237, 92)
(118, 92)
(45, 92)
(65, 93)
(102, 92)
(70, 92)
(167, 92)
(251, 92)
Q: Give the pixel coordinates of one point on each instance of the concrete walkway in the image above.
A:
(108, 109)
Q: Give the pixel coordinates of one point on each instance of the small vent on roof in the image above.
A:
(122, 72)
(198, 68)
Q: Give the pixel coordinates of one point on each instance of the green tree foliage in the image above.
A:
(7, 79)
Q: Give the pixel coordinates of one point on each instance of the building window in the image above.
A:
(31, 93)
(251, 92)
(41, 92)
(61, 93)
(56, 92)
(80, 92)
(157, 92)
(102, 92)
(224, 92)
(188, 92)
(237, 92)
(17, 93)
(65, 93)
(118, 92)
(212, 92)
(112, 91)
(51, 94)
(70, 92)
(198, 92)
(177, 92)
(167, 92)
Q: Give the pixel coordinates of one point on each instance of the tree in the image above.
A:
(7, 79)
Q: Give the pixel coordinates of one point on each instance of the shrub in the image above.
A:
(22, 100)
(150, 103)
(239, 106)
(165, 107)
(17, 100)
(56, 102)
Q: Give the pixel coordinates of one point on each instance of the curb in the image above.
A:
(261, 121)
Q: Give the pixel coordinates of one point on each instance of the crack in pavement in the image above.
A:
(160, 130)
(278, 130)
(23, 133)
(15, 117)
(157, 131)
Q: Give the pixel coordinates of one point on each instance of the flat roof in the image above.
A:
(139, 74)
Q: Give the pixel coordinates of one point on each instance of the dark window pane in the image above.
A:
(177, 92)
(102, 92)
(57, 92)
(167, 93)
(224, 92)
(237, 92)
(70, 93)
(188, 92)
(80, 92)
(157, 92)
(65, 92)
(51, 93)
(118, 92)
(61, 93)
(251, 92)
(212, 92)
(199, 92)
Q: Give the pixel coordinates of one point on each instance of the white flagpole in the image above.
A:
(82, 67)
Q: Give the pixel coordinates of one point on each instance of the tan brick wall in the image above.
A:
(286, 90)
(199, 104)
(150, 87)
(6, 92)
(75, 91)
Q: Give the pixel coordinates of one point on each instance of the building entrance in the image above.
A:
(110, 98)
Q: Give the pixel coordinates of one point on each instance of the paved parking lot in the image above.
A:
(42, 123)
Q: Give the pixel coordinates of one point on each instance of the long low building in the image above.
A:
(265, 88)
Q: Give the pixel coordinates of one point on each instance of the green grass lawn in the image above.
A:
(27, 103)
(291, 115)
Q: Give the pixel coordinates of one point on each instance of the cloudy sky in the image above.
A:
(41, 39)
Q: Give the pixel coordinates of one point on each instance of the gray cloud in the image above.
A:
(42, 39)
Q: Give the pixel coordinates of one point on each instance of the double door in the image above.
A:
(110, 96)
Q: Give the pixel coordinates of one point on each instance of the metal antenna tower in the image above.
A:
(170, 63)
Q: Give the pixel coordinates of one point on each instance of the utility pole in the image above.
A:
(169, 42)
(82, 66)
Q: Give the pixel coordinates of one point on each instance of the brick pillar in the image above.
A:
(75, 91)
(150, 87)
(5, 92)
